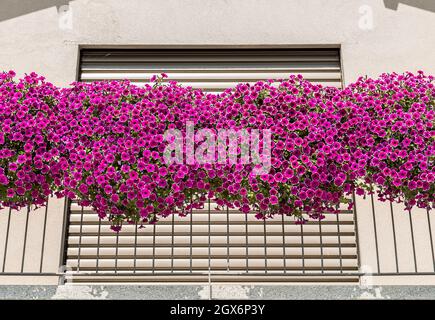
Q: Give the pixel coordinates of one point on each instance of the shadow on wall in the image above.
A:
(10, 9)
(428, 5)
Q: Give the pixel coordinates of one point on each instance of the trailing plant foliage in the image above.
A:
(30, 160)
(103, 143)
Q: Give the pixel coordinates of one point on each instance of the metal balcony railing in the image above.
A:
(72, 244)
(212, 245)
(31, 242)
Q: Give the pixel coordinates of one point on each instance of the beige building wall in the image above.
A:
(374, 36)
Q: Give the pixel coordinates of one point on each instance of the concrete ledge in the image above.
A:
(193, 292)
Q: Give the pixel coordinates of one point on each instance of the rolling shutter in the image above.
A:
(211, 245)
(211, 70)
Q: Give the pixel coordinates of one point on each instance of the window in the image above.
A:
(211, 245)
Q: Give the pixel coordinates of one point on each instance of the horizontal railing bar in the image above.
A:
(400, 274)
(78, 210)
(31, 274)
(291, 223)
(287, 245)
(241, 274)
(185, 234)
(156, 257)
(205, 272)
(220, 245)
(223, 268)
(222, 280)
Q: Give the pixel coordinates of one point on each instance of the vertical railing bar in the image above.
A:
(284, 254)
(303, 246)
(393, 223)
(153, 263)
(228, 239)
(191, 235)
(172, 241)
(43, 238)
(355, 221)
(321, 246)
(6, 240)
(25, 238)
(339, 242)
(191, 243)
(135, 248)
(412, 239)
(376, 234)
(209, 243)
(97, 267)
(117, 251)
(431, 239)
(80, 240)
(265, 245)
(246, 243)
(64, 240)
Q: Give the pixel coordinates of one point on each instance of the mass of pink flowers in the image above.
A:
(102, 144)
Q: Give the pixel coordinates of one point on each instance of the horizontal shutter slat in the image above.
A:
(211, 77)
(291, 67)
